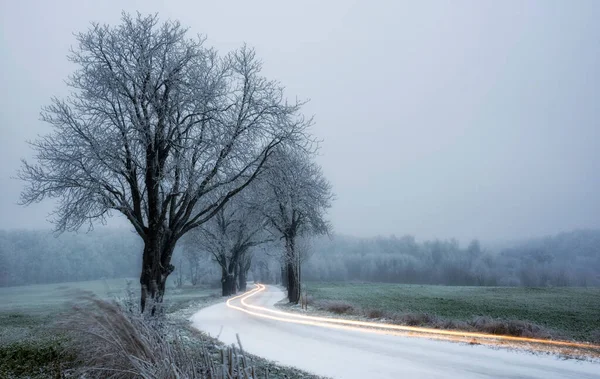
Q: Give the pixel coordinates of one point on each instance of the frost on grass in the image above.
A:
(113, 340)
(482, 324)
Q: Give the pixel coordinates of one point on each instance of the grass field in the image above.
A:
(25, 307)
(572, 312)
(29, 346)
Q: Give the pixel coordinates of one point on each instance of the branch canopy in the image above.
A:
(295, 195)
(158, 127)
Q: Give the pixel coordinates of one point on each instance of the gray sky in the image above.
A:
(439, 118)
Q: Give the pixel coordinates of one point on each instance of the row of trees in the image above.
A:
(286, 203)
(167, 132)
(567, 259)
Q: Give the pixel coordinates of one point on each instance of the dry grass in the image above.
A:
(112, 341)
(477, 324)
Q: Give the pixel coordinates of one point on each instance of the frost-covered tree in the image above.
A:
(296, 196)
(159, 128)
(228, 237)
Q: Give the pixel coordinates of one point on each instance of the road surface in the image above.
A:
(344, 352)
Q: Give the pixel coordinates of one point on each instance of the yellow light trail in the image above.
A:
(383, 328)
(321, 324)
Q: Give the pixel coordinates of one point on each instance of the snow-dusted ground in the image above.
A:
(354, 354)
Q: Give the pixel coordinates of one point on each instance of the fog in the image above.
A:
(462, 120)
(566, 259)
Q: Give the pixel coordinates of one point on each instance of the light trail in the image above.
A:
(390, 329)
(322, 324)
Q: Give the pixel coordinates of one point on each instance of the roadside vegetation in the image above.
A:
(43, 336)
(557, 313)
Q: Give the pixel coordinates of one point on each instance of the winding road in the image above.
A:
(344, 350)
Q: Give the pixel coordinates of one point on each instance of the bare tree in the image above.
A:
(228, 236)
(192, 256)
(160, 129)
(297, 196)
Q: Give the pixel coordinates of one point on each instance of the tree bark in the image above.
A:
(244, 266)
(292, 270)
(228, 282)
(228, 285)
(293, 285)
(156, 267)
(236, 275)
(242, 281)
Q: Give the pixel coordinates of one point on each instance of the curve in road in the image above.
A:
(347, 350)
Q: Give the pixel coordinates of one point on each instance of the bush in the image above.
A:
(376, 313)
(336, 306)
(509, 327)
(417, 319)
(453, 325)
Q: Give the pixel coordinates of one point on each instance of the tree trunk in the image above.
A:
(236, 275)
(244, 266)
(228, 285)
(156, 267)
(242, 281)
(293, 282)
(293, 285)
(228, 281)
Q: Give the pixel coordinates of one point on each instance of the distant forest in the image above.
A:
(567, 259)
(38, 256)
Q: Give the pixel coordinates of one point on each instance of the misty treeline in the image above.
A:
(39, 256)
(42, 257)
(566, 259)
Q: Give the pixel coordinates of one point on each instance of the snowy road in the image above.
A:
(345, 353)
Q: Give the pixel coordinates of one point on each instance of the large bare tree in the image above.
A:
(160, 129)
(296, 196)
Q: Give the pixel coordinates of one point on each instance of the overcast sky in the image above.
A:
(439, 118)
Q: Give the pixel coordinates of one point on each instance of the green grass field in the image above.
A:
(573, 312)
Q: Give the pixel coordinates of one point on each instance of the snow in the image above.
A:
(353, 354)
